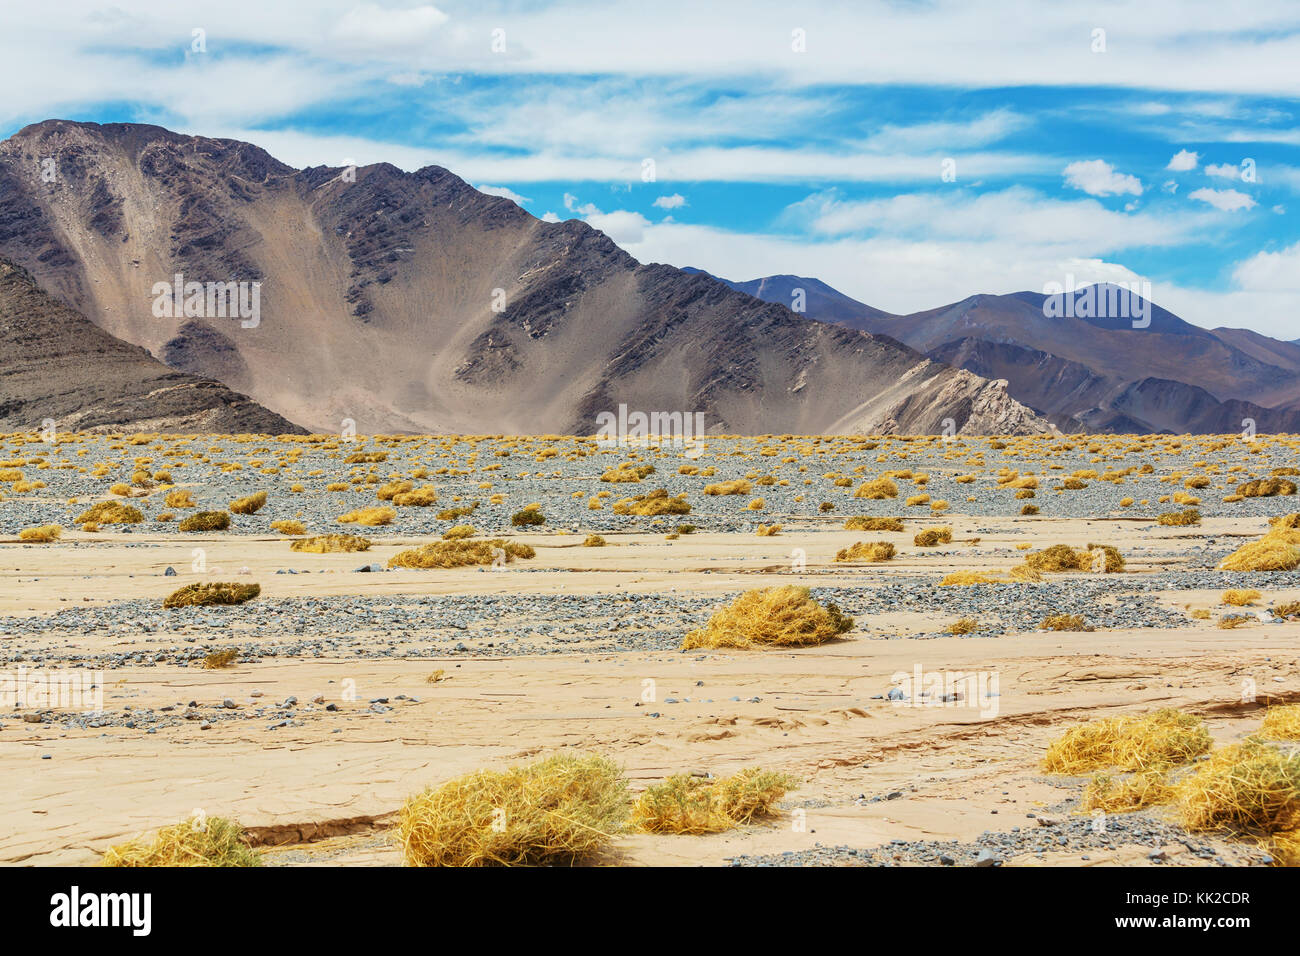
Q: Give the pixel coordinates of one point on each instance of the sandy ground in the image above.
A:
(327, 786)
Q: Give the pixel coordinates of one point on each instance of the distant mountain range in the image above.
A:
(1097, 374)
(411, 302)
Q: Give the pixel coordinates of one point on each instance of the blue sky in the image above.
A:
(1105, 141)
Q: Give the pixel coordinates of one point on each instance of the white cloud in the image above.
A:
(1015, 216)
(1097, 177)
(675, 201)
(1227, 200)
(624, 227)
(1183, 160)
(510, 194)
(1224, 171)
(549, 216)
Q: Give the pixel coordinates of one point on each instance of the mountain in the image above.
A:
(57, 364)
(820, 301)
(411, 302)
(1093, 368)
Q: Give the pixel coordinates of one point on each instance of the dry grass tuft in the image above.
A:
(205, 521)
(110, 512)
(214, 841)
(931, 537)
(1179, 518)
(771, 617)
(204, 594)
(767, 530)
(738, 487)
(527, 517)
(685, 804)
(1250, 786)
(1123, 794)
(1059, 557)
(218, 660)
(370, 517)
(557, 811)
(1064, 622)
(1281, 722)
(458, 531)
(416, 498)
(1266, 488)
(45, 534)
(250, 505)
(866, 551)
(966, 625)
(1157, 741)
(460, 553)
(594, 541)
(877, 489)
(655, 503)
(331, 544)
(865, 523)
(1277, 550)
(180, 499)
(288, 526)
(1241, 597)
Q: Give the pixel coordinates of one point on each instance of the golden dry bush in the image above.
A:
(767, 530)
(657, 502)
(1179, 518)
(44, 534)
(1126, 502)
(460, 553)
(756, 504)
(386, 491)
(866, 551)
(205, 594)
(121, 489)
(1284, 848)
(289, 526)
(527, 517)
(965, 625)
(337, 486)
(964, 578)
(453, 514)
(931, 537)
(594, 541)
(737, 487)
(1064, 622)
(1252, 787)
(180, 499)
(370, 517)
(209, 841)
(459, 531)
(249, 505)
(1281, 722)
(915, 500)
(1122, 794)
(1059, 557)
(366, 458)
(785, 616)
(205, 521)
(1106, 558)
(865, 523)
(1028, 510)
(218, 660)
(1266, 488)
(110, 512)
(1156, 741)
(628, 473)
(1241, 597)
(1277, 550)
(560, 810)
(422, 497)
(878, 489)
(685, 804)
(331, 544)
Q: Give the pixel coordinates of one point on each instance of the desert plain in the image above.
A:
(351, 681)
